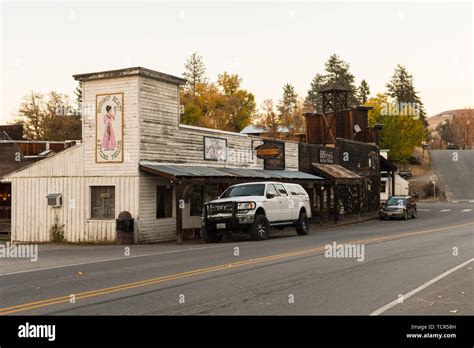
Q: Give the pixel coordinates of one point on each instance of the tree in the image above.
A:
(49, 117)
(336, 72)
(290, 110)
(400, 134)
(194, 73)
(238, 105)
(363, 92)
(269, 119)
(78, 94)
(444, 131)
(402, 90)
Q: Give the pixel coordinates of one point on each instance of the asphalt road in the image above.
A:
(454, 169)
(284, 275)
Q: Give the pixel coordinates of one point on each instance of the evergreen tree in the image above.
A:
(336, 72)
(402, 90)
(194, 74)
(363, 92)
(290, 109)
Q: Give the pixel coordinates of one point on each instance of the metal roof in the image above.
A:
(175, 171)
(335, 171)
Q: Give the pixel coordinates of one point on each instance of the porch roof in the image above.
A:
(335, 172)
(200, 172)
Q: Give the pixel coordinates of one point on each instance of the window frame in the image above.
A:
(91, 217)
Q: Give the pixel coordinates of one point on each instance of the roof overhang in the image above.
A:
(189, 173)
(336, 172)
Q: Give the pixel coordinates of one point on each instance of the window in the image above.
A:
(102, 202)
(281, 189)
(272, 190)
(294, 190)
(164, 201)
(244, 190)
(383, 186)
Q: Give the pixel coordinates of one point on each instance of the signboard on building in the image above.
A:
(267, 151)
(109, 128)
(326, 156)
(215, 149)
(277, 162)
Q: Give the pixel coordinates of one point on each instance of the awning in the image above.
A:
(174, 172)
(387, 165)
(336, 172)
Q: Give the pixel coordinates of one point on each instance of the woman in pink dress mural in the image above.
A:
(108, 138)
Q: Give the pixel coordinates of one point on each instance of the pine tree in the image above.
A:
(363, 92)
(336, 72)
(290, 109)
(194, 74)
(402, 90)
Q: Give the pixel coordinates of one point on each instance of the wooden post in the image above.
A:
(336, 202)
(393, 182)
(179, 213)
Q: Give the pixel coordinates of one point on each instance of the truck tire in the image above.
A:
(210, 237)
(260, 230)
(302, 225)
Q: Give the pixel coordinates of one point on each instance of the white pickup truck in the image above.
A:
(255, 207)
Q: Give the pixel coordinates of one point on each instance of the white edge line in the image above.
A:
(420, 288)
(115, 259)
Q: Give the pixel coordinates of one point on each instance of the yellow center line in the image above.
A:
(176, 276)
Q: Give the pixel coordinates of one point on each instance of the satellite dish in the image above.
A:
(357, 128)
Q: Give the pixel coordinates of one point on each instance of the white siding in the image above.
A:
(32, 217)
(151, 228)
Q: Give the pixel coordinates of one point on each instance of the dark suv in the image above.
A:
(401, 207)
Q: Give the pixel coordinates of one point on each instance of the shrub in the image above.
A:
(56, 231)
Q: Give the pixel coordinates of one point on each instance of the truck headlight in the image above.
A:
(246, 206)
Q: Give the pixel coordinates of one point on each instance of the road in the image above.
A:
(284, 275)
(454, 169)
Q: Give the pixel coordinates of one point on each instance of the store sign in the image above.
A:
(215, 149)
(326, 156)
(109, 128)
(267, 151)
(275, 162)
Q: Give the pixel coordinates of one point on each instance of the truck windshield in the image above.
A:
(244, 190)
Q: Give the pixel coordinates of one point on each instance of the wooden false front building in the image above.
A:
(137, 157)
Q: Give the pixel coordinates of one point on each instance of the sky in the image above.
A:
(267, 43)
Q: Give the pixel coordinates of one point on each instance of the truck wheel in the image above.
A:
(260, 230)
(302, 225)
(210, 237)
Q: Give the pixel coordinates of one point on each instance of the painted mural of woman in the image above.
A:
(108, 138)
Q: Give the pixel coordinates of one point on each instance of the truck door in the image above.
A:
(272, 205)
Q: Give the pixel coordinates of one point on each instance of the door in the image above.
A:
(272, 205)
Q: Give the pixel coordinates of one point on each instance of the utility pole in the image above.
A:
(467, 135)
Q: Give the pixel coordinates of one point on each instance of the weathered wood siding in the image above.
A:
(162, 139)
(153, 229)
(129, 87)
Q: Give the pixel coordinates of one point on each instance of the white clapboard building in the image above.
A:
(136, 157)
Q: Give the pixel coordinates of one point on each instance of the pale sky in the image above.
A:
(267, 43)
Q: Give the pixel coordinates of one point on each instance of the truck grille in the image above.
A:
(218, 208)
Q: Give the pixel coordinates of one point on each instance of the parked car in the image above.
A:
(405, 174)
(452, 146)
(254, 208)
(401, 207)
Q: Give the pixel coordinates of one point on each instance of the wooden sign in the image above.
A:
(267, 151)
